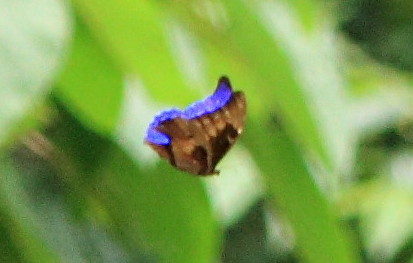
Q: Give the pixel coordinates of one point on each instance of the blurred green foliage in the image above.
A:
(322, 174)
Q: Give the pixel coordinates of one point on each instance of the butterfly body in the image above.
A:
(195, 139)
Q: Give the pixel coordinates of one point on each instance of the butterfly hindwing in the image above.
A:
(234, 115)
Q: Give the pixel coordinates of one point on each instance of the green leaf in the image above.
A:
(91, 85)
(292, 187)
(309, 13)
(33, 36)
(164, 208)
(133, 33)
(271, 62)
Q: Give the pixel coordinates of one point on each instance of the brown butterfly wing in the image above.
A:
(198, 144)
(233, 115)
(184, 151)
(218, 131)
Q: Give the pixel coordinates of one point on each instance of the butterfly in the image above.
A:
(195, 139)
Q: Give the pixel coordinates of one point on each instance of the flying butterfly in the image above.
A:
(195, 139)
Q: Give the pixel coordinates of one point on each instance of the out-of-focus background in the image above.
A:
(323, 172)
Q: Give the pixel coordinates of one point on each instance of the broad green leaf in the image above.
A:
(33, 36)
(270, 61)
(315, 58)
(292, 187)
(91, 85)
(134, 34)
(165, 209)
